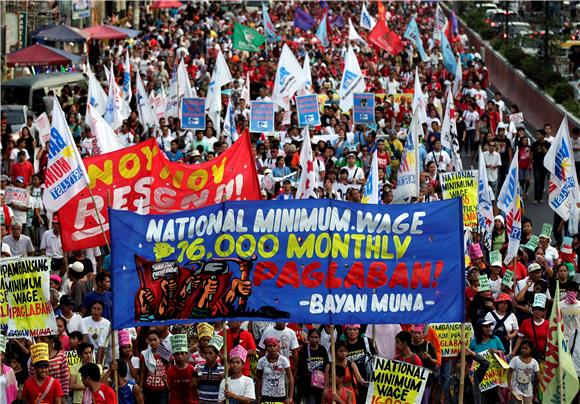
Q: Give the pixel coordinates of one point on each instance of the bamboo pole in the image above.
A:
(462, 367)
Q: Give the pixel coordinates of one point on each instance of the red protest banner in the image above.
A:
(386, 39)
(141, 176)
(230, 176)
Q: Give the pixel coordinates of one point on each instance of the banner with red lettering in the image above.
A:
(231, 176)
(141, 176)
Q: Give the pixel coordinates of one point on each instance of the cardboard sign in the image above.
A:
(396, 382)
(43, 125)
(17, 196)
(483, 284)
(261, 116)
(363, 108)
(517, 118)
(193, 113)
(508, 278)
(308, 110)
(449, 335)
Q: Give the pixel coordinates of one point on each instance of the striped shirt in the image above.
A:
(209, 383)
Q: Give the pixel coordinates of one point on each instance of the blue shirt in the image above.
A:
(493, 343)
(174, 156)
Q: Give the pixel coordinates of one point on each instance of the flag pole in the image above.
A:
(462, 367)
(226, 365)
(333, 357)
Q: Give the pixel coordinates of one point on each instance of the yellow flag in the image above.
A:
(560, 374)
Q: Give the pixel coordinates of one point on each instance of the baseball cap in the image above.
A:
(20, 178)
(482, 322)
(77, 267)
(66, 300)
(534, 266)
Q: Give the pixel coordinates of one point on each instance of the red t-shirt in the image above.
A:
(25, 170)
(541, 333)
(105, 395)
(179, 381)
(413, 359)
(246, 340)
(32, 391)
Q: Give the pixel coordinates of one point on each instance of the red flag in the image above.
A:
(386, 39)
(382, 14)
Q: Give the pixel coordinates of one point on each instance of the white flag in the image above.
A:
(307, 182)
(143, 105)
(409, 170)
(371, 189)
(220, 77)
(115, 112)
(353, 35)
(559, 161)
(307, 89)
(185, 89)
(127, 92)
(289, 79)
(509, 187)
(160, 105)
(246, 89)
(419, 99)
(107, 72)
(104, 139)
(96, 96)
(172, 100)
(366, 20)
(449, 139)
(513, 220)
(65, 173)
(485, 199)
(458, 80)
(352, 81)
(230, 130)
(440, 22)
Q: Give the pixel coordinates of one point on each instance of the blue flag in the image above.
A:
(269, 29)
(448, 56)
(303, 20)
(412, 33)
(322, 32)
(338, 22)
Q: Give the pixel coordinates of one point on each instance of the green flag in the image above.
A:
(247, 39)
(560, 374)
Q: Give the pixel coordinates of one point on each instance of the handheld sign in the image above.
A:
(308, 111)
(261, 116)
(193, 113)
(364, 108)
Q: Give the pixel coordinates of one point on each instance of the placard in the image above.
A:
(308, 110)
(17, 196)
(193, 113)
(363, 108)
(261, 116)
(396, 382)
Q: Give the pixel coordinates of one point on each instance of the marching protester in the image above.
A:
(323, 104)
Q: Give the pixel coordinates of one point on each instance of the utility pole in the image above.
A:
(507, 17)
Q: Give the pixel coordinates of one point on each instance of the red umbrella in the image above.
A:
(40, 55)
(166, 4)
(103, 32)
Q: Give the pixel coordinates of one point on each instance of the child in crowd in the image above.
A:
(210, 375)
(240, 388)
(524, 373)
(179, 379)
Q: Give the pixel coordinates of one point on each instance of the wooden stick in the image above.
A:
(226, 364)
(333, 357)
(462, 367)
(99, 221)
(115, 374)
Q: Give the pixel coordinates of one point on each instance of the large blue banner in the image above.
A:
(307, 261)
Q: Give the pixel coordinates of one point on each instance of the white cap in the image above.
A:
(77, 267)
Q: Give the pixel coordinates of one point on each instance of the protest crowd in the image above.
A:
(431, 106)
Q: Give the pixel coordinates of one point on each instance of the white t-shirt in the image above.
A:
(242, 386)
(470, 119)
(523, 376)
(3, 385)
(355, 173)
(273, 379)
(287, 337)
(76, 323)
(52, 244)
(495, 286)
(480, 98)
(570, 318)
(510, 323)
(100, 330)
(441, 158)
(522, 284)
(20, 216)
(492, 159)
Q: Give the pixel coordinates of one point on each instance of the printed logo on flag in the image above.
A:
(349, 79)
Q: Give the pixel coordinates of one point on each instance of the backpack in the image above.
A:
(499, 330)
